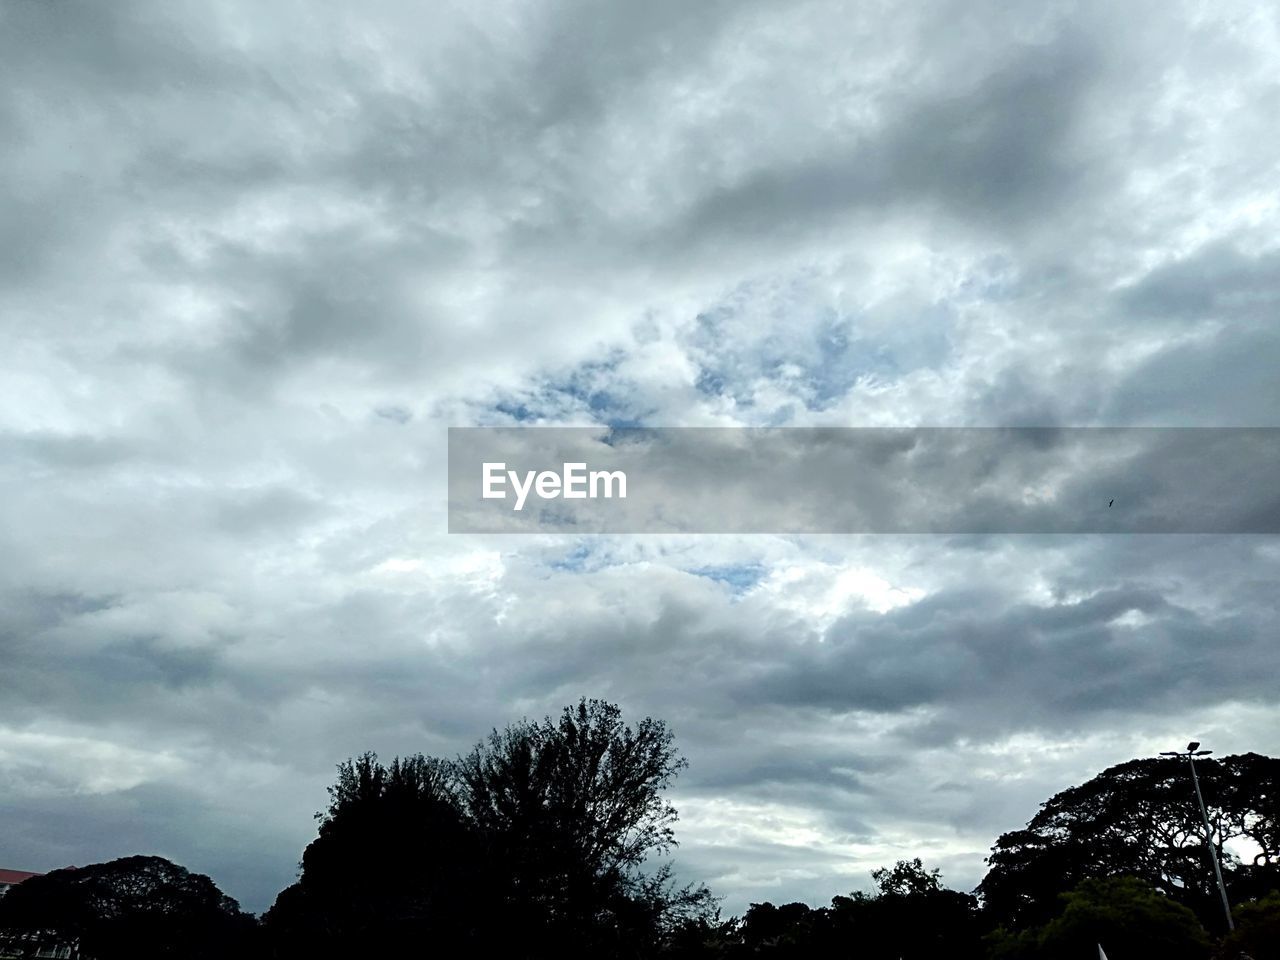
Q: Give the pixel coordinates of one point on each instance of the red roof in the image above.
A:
(15, 876)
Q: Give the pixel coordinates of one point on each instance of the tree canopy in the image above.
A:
(911, 915)
(1141, 819)
(547, 839)
(1126, 915)
(1257, 933)
(135, 907)
(394, 861)
(543, 830)
(573, 807)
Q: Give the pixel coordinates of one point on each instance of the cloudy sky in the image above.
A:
(256, 258)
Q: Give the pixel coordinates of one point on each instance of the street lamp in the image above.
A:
(1193, 750)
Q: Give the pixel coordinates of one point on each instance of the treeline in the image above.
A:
(532, 845)
(539, 843)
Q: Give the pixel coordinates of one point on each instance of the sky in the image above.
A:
(255, 259)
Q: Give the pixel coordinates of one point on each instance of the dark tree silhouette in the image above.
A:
(1140, 819)
(1127, 916)
(702, 938)
(1257, 933)
(791, 930)
(530, 846)
(571, 809)
(910, 917)
(907, 878)
(135, 907)
(394, 862)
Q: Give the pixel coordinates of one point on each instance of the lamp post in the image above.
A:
(1193, 750)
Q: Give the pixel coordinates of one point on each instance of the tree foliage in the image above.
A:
(1257, 933)
(546, 840)
(572, 808)
(136, 907)
(1141, 819)
(541, 831)
(907, 878)
(1126, 915)
(393, 860)
(910, 916)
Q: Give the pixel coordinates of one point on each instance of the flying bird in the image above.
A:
(1109, 504)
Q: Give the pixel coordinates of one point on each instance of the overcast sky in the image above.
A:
(255, 258)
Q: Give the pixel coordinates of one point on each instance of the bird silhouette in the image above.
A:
(1109, 504)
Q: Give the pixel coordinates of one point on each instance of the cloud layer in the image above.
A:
(254, 261)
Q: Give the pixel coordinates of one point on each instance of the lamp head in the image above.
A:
(1193, 746)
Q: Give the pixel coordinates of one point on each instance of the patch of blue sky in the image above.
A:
(839, 360)
(518, 411)
(738, 577)
(593, 389)
(817, 359)
(711, 382)
(575, 561)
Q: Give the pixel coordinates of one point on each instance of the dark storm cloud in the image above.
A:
(86, 86)
(1044, 665)
(1228, 371)
(997, 154)
(1216, 282)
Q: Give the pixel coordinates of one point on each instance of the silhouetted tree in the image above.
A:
(136, 908)
(702, 937)
(1140, 819)
(532, 845)
(791, 930)
(394, 862)
(1257, 933)
(570, 810)
(907, 878)
(911, 915)
(1126, 915)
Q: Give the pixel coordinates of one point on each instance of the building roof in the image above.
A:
(15, 876)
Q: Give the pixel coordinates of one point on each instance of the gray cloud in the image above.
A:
(252, 264)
